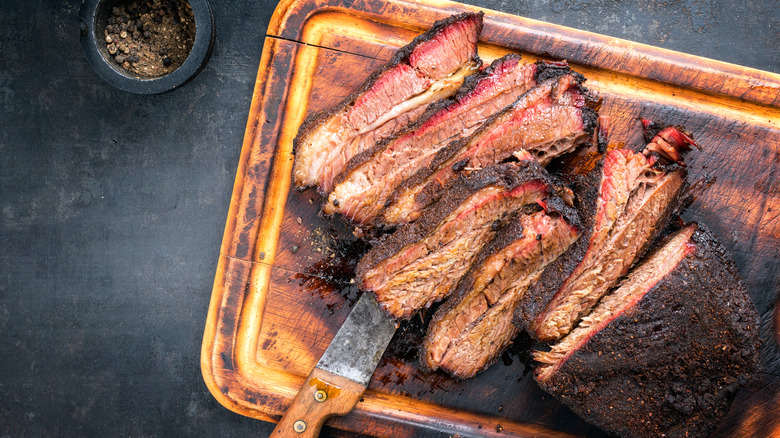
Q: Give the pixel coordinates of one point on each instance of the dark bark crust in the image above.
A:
(672, 363)
(468, 86)
(400, 56)
(545, 71)
(508, 176)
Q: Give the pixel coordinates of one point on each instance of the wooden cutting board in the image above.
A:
(282, 286)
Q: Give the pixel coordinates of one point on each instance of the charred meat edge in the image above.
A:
(562, 89)
(669, 142)
(370, 177)
(474, 326)
(632, 207)
(540, 293)
(641, 280)
(426, 271)
(529, 313)
(511, 184)
(307, 148)
(666, 352)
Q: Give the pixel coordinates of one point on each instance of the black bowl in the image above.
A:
(94, 16)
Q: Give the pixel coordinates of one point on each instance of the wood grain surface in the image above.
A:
(283, 287)
(321, 396)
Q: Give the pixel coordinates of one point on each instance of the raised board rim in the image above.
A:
(239, 251)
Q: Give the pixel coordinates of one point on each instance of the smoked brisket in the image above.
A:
(624, 203)
(547, 121)
(370, 177)
(473, 327)
(431, 67)
(422, 262)
(664, 354)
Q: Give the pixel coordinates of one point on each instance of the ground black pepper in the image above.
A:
(150, 38)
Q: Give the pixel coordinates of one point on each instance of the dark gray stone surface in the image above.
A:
(113, 206)
(744, 33)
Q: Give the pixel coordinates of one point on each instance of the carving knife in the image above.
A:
(342, 373)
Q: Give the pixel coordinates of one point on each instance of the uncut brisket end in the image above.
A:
(370, 177)
(634, 199)
(547, 121)
(664, 354)
(429, 68)
(421, 263)
(474, 326)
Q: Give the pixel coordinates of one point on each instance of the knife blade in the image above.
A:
(342, 374)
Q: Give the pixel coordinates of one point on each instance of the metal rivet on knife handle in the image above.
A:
(343, 371)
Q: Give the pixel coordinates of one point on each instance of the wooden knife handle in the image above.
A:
(322, 396)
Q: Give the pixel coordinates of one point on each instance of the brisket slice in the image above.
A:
(370, 177)
(421, 263)
(633, 202)
(471, 329)
(664, 354)
(624, 203)
(547, 121)
(429, 68)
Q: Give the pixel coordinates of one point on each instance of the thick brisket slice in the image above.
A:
(624, 203)
(473, 327)
(634, 200)
(370, 177)
(420, 263)
(540, 293)
(547, 121)
(429, 68)
(664, 354)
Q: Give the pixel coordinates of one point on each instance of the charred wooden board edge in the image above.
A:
(262, 129)
(265, 394)
(525, 34)
(243, 221)
(228, 361)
